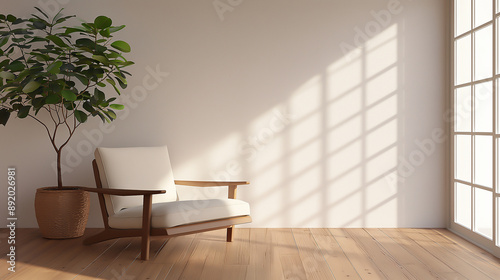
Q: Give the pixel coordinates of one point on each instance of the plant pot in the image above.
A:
(62, 213)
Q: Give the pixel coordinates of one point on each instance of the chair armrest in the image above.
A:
(123, 192)
(231, 190)
(210, 183)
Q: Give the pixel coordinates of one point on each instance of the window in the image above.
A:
(476, 129)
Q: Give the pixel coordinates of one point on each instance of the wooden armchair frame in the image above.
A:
(147, 231)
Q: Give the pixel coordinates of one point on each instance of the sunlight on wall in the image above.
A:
(321, 158)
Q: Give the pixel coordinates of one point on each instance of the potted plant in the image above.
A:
(57, 75)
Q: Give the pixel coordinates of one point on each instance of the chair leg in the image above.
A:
(229, 237)
(146, 227)
(145, 248)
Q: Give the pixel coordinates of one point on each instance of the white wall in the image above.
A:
(320, 104)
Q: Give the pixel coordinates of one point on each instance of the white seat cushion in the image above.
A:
(143, 168)
(176, 213)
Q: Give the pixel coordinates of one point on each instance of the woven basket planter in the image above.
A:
(62, 213)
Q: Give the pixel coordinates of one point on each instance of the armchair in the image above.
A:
(138, 197)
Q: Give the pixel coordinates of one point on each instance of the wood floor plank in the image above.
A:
(27, 251)
(257, 254)
(181, 262)
(380, 257)
(265, 260)
(95, 268)
(174, 250)
(294, 267)
(312, 258)
(52, 260)
(21, 237)
(361, 261)
(477, 262)
(238, 251)
(336, 259)
(118, 267)
(469, 246)
(404, 258)
(214, 263)
(435, 264)
(140, 269)
(445, 256)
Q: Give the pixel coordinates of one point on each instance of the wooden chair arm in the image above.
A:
(123, 192)
(210, 183)
(231, 190)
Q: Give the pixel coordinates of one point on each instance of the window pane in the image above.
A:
(463, 157)
(497, 222)
(463, 60)
(483, 107)
(483, 212)
(483, 12)
(498, 166)
(463, 16)
(498, 103)
(483, 160)
(463, 205)
(463, 109)
(497, 22)
(483, 48)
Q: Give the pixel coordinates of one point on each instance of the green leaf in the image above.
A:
(56, 40)
(70, 30)
(42, 57)
(101, 59)
(4, 41)
(82, 79)
(68, 95)
(102, 22)
(105, 33)
(38, 9)
(4, 63)
(88, 106)
(11, 18)
(4, 116)
(80, 116)
(23, 112)
(99, 96)
(16, 66)
(31, 86)
(85, 42)
(114, 29)
(89, 27)
(117, 106)
(54, 68)
(53, 99)
(38, 24)
(110, 114)
(113, 54)
(22, 75)
(7, 75)
(121, 46)
(63, 19)
(38, 102)
(111, 82)
(103, 117)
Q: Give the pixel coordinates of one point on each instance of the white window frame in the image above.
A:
(492, 245)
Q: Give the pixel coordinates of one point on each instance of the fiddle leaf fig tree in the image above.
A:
(60, 76)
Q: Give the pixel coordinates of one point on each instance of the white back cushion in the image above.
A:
(143, 168)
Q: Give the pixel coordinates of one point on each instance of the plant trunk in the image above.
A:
(59, 175)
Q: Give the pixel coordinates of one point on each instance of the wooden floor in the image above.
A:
(256, 254)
